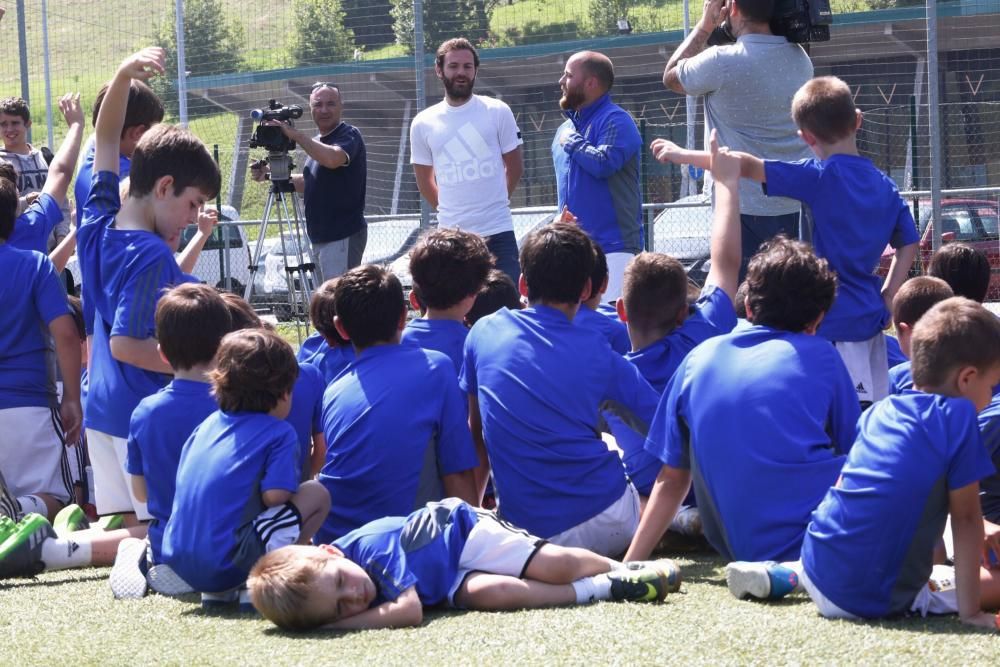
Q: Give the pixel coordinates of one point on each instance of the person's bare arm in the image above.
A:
(331, 157)
(513, 162)
(665, 151)
(61, 253)
(139, 488)
(725, 250)
(139, 352)
(275, 497)
(715, 11)
(64, 162)
(426, 183)
(669, 489)
(318, 457)
(67, 342)
(899, 270)
(967, 533)
(461, 485)
(404, 611)
(111, 118)
(476, 426)
(207, 219)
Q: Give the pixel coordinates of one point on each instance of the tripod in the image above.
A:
(300, 275)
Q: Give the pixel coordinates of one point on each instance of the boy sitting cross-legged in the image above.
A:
(395, 421)
(449, 266)
(382, 574)
(238, 493)
(918, 457)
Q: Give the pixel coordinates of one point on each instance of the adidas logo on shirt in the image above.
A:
(861, 388)
(466, 157)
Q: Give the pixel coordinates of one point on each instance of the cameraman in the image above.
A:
(748, 88)
(332, 183)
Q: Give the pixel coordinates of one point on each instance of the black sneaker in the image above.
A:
(644, 585)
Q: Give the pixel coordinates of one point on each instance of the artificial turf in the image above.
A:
(70, 618)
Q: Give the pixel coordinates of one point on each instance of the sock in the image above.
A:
(617, 565)
(59, 554)
(31, 504)
(591, 589)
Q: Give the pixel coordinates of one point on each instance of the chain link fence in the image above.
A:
(238, 54)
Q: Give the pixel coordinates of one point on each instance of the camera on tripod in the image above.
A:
(798, 21)
(270, 137)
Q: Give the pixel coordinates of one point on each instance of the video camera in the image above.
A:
(798, 21)
(270, 137)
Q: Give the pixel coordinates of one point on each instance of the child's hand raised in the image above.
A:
(666, 151)
(69, 106)
(725, 166)
(208, 217)
(144, 64)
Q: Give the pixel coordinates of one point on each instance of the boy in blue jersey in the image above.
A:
(382, 574)
(126, 261)
(757, 421)
(966, 270)
(35, 427)
(587, 316)
(536, 383)
(238, 493)
(191, 320)
(913, 300)
(856, 210)
(395, 422)
(448, 266)
(917, 459)
(499, 291)
(324, 348)
(40, 218)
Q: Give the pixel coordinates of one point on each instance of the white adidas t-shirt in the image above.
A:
(465, 145)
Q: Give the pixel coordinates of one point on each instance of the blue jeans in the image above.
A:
(504, 248)
(756, 229)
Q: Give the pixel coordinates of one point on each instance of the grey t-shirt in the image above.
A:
(748, 88)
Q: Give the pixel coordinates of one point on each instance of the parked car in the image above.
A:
(683, 231)
(972, 221)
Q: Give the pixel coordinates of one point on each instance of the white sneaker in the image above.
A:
(128, 576)
(165, 581)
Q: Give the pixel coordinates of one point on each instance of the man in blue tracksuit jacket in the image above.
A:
(596, 158)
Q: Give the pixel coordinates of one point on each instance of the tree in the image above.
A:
(371, 21)
(443, 19)
(212, 45)
(604, 15)
(320, 36)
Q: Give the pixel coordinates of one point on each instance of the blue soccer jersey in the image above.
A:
(160, 426)
(612, 329)
(444, 336)
(762, 418)
(306, 414)
(395, 422)
(900, 378)
(423, 549)
(856, 211)
(331, 361)
(893, 352)
(33, 227)
(124, 274)
(989, 429)
(869, 545)
(711, 315)
(31, 296)
(540, 382)
(229, 461)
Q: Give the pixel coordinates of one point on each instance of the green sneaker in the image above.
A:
(7, 528)
(111, 522)
(644, 585)
(21, 552)
(665, 566)
(70, 519)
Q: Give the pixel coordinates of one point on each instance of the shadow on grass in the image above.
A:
(431, 616)
(11, 584)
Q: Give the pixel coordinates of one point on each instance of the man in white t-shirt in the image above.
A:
(466, 155)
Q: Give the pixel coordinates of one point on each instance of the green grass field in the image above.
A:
(71, 618)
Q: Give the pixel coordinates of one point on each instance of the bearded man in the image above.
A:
(466, 155)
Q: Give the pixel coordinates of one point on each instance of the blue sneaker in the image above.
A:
(763, 581)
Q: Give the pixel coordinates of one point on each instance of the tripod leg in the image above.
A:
(258, 246)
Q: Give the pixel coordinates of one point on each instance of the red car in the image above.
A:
(975, 222)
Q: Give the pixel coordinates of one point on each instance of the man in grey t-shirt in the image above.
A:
(748, 88)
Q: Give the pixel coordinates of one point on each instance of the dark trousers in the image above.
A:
(756, 229)
(504, 248)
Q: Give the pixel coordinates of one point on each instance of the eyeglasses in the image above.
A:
(323, 84)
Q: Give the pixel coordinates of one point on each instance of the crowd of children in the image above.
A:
(346, 487)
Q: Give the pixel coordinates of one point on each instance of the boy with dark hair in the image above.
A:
(917, 458)
(238, 494)
(587, 316)
(382, 574)
(43, 217)
(388, 454)
(35, 427)
(325, 349)
(126, 261)
(914, 298)
(499, 291)
(536, 406)
(191, 320)
(757, 473)
(964, 268)
(856, 210)
(448, 266)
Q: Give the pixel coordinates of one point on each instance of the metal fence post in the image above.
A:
(421, 99)
(22, 52)
(47, 71)
(182, 103)
(934, 120)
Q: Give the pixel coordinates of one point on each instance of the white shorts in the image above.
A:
(495, 547)
(112, 485)
(938, 596)
(868, 367)
(617, 261)
(32, 453)
(610, 532)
